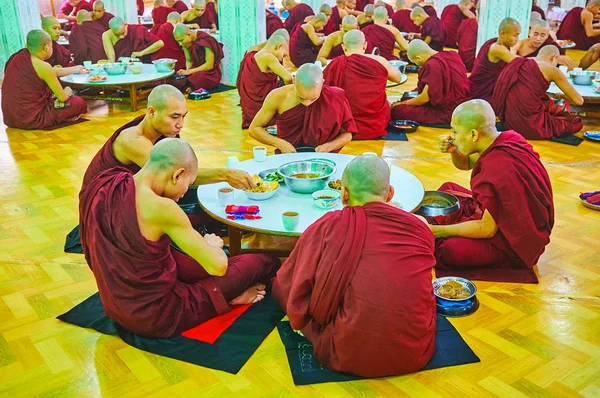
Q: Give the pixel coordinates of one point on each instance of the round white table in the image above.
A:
(129, 81)
(589, 93)
(409, 193)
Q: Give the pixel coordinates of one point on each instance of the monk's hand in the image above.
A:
(80, 70)
(239, 179)
(286, 147)
(595, 48)
(213, 30)
(137, 54)
(439, 231)
(68, 91)
(445, 143)
(566, 60)
(182, 72)
(323, 148)
(214, 240)
(61, 16)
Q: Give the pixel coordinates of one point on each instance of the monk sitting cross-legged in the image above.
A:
(147, 286)
(363, 78)
(443, 85)
(520, 98)
(308, 112)
(199, 16)
(171, 49)
(123, 40)
(85, 40)
(99, 15)
(401, 19)
(452, 17)
(505, 220)
(540, 36)
(61, 57)
(298, 13)
(338, 12)
(259, 75)
(304, 41)
(342, 284)
(578, 26)
(384, 37)
(432, 31)
(332, 46)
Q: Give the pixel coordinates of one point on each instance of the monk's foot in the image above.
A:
(252, 295)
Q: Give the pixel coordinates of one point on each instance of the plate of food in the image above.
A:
(566, 43)
(264, 189)
(454, 289)
(337, 185)
(271, 175)
(96, 79)
(405, 126)
(592, 135)
(394, 84)
(591, 200)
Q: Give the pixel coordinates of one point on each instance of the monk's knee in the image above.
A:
(451, 186)
(78, 103)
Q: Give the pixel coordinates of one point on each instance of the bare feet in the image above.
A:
(252, 295)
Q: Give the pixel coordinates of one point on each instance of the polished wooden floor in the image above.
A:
(533, 340)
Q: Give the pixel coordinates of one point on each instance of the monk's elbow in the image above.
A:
(220, 269)
(160, 44)
(252, 131)
(490, 231)
(579, 101)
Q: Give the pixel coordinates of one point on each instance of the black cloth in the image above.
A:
(73, 242)
(568, 139)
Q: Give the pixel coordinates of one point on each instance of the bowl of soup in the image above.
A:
(326, 198)
(306, 176)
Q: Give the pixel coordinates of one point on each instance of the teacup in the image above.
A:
(290, 220)
(225, 196)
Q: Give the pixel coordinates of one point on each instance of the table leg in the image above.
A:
(133, 98)
(235, 241)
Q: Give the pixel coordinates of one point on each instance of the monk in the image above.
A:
(539, 36)
(273, 23)
(308, 112)
(429, 9)
(99, 14)
(358, 283)
(259, 75)
(127, 225)
(30, 83)
(298, 12)
(172, 49)
(177, 5)
(432, 31)
(85, 41)
(123, 40)
(363, 78)
(70, 8)
(590, 57)
(338, 12)
(332, 46)
(61, 57)
(506, 218)
(384, 37)
(199, 17)
(361, 4)
(279, 32)
(160, 12)
(492, 58)
(466, 39)
(401, 19)
(578, 26)
(538, 9)
(211, 9)
(389, 8)
(520, 97)
(452, 17)
(366, 17)
(325, 9)
(304, 41)
(443, 85)
(203, 55)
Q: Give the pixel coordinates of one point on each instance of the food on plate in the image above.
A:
(337, 184)
(274, 177)
(326, 197)
(97, 79)
(263, 186)
(307, 175)
(453, 290)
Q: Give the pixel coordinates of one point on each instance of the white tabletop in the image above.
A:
(584, 91)
(148, 74)
(409, 193)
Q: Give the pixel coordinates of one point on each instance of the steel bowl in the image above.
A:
(306, 185)
(116, 68)
(164, 65)
(400, 65)
(437, 203)
(467, 285)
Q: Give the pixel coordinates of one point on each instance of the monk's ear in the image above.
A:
(178, 174)
(345, 195)
(475, 135)
(390, 195)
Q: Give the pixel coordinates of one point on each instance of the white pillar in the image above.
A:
(126, 9)
(17, 18)
(492, 12)
(314, 4)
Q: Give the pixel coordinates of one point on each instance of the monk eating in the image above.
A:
(308, 112)
(123, 40)
(171, 49)
(332, 46)
(146, 286)
(85, 40)
(177, 5)
(304, 41)
(432, 31)
(443, 85)
(199, 17)
(273, 23)
(70, 8)
(32, 96)
(366, 17)
(520, 98)
(342, 285)
(99, 15)
(259, 75)
(338, 12)
(539, 36)
(298, 13)
(61, 57)
(363, 78)
(590, 57)
(160, 12)
(578, 26)
(203, 55)
(492, 58)
(452, 17)
(506, 218)
(466, 39)
(401, 19)
(384, 37)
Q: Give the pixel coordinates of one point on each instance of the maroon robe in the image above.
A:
(363, 80)
(520, 102)
(446, 77)
(430, 11)
(389, 9)
(204, 21)
(452, 17)
(253, 86)
(104, 20)
(140, 7)
(361, 4)
(180, 6)
(212, 11)
(86, 42)
(485, 73)
(68, 9)
(467, 42)
(381, 38)
(318, 123)
(208, 80)
(535, 8)
(334, 22)
(273, 23)
(358, 286)
(172, 49)
(401, 20)
(520, 201)
(302, 49)
(160, 14)
(549, 42)
(433, 28)
(60, 56)
(27, 101)
(138, 280)
(297, 16)
(138, 38)
(572, 29)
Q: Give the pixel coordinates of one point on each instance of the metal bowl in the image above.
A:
(466, 284)
(437, 203)
(116, 68)
(306, 185)
(164, 65)
(400, 65)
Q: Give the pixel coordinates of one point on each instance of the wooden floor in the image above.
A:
(533, 340)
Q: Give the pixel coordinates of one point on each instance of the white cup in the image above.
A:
(225, 196)
(87, 64)
(564, 69)
(369, 154)
(232, 162)
(260, 153)
(578, 71)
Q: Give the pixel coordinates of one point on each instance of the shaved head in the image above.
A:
(547, 53)
(158, 3)
(181, 30)
(309, 76)
(174, 17)
(593, 3)
(162, 95)
(381, 14)
(539, 23)
(48, 22)
(99, 4)
(400, 5)
(477, 115)
(200, 3)
(283, 33)
(534, 15)
(36, 40)
(417, 11)
(275, 41)
(116, 24)
(52, 27)
(319, 18)
(325, 9)
(170, 154)
(82, 16)
(367, 179)
(354, 40)
(369, 9)
(507, 25)
(349, 22)
(466, 2)
(419, 52)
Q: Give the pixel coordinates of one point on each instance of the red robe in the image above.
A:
(253, 86)
(273, 23)
(334, 22)
(302, 49)
(27, 102)
(172, 49)
(137, 39)
(383, 39)
(138, 279)
(68, 9)
(572, 29)
(160, 14)
(204, 21)
(212, 11)
(446, 77)
(433, 27)
(358, 286)
(467, 42)
(485, 73)
(430, 11)
(104, 20)
(520, 201)
(451, 19)
(363, 80)
(535, 8)
(86, 42)
(60, 56)
(318, 123)
(519, 101)
(361, 4)
(208, 80)
(180, 6)
(297, 16)
(401, 20)
(140, 7)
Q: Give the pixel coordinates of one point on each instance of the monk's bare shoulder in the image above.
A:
(335, 39)
(281, 99)
(378, 58)
(130, 145)
(42, 68)
(549, 71)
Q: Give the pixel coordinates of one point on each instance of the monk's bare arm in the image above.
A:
(151, 49)
(394, 74)
(466, 11)
(400, 40)
(262, 119)
(275, 66)
(419, 100)
(192, 25)
(459, 160)
(335, 144)
(428, 40)
(48, 75)
(498, 52)
(588, 20)
(590, 57)
(325, 51)
(109, 49)
(238, 179)
(567, 88)
(485, 228)
(312, 35)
